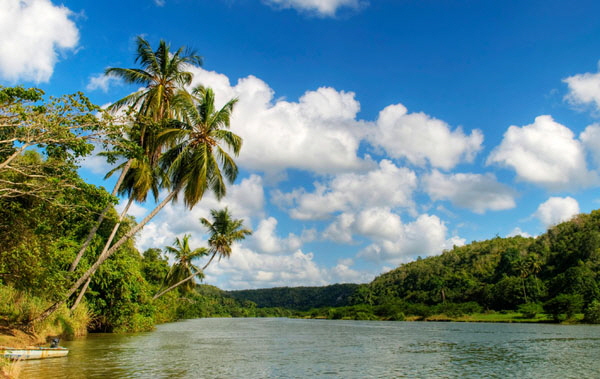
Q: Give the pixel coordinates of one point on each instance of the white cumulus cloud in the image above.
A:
(425, 236)
(591, 140)
(584, 89)
(101, 82)
(556, 210)
(267, 241)
(421, 139)
(325, 8)
(476, 192)
(245, 200)
(388, 185)
(33, 33)
(545, 153)
(318, 133)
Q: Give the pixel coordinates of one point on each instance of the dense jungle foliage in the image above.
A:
(47, 210)
(298, 298)
(39, 239)
(557, 273)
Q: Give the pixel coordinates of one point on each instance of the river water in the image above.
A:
(292, 348)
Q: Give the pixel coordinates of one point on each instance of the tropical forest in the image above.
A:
(69, 265)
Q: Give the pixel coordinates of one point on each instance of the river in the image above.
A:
(293, 348)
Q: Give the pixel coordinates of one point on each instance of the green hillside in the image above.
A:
(556, 273)
(298, 298)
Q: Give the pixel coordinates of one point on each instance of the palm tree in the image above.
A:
(195, 163)
(223, 231)
(183, 267)
(196, 157)
(163, 76)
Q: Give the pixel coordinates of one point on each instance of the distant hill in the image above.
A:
(560, 266)
(502, 273)
(298, 298)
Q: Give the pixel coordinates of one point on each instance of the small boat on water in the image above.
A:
(33, 352)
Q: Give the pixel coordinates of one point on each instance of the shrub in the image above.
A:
(564, 306)
(530, 310)
(592, 313)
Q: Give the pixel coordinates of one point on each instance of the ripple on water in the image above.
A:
(283, 348)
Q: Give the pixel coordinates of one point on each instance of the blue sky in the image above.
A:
(374, 131)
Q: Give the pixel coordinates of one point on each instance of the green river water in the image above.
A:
(292, 348)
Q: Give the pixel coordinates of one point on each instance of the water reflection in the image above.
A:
(284, 348)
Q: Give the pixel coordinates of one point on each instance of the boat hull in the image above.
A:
(33, 353)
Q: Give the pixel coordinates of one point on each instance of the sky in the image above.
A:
(375, 132)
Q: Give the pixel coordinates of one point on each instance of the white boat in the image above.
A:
(33, 352)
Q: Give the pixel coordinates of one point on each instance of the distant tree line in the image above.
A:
(298, 298)
(556, 273)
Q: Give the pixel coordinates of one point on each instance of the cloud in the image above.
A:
(318, 133)
(591, 140)
(556, 210)
(245, 200)
(476, 192)
(421, 139)
(323, 8)
(518, 232)
(266, 240)
(33, 33)
(392, 241)
(425, 236)
(101, 82)
(584, 89)
(249, 269)
(545, 153)
(388, 185)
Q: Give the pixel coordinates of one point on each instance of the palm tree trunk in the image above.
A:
(81, 293)
(159, 294)
(104, 256)
(93, 231)
(106, 246)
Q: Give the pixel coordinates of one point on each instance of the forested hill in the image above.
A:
(298, 298)
(560, 266)
(558, 272)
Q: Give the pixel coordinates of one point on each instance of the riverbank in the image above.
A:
(15, 338)
(487, 317)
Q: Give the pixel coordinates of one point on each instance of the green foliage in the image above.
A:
(18, 307)
(300, 298)
(119, 296)
(564, 306)
(592, 312)
(530, 310)
(154, 266)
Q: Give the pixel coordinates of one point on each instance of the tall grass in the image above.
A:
(19, 307)
(9, 369)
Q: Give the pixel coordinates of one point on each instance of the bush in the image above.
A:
(592, 313)
(530, 310)
(564, 306)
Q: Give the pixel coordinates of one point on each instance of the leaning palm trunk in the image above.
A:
(184, 280)
(93, 231)
(106, 246)
(104, 256)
